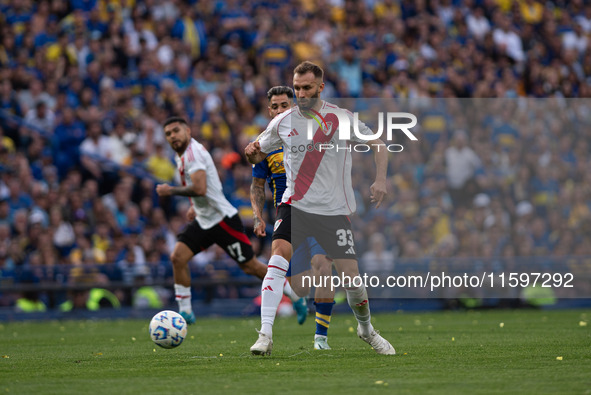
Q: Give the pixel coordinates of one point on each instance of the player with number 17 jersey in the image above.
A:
(213, 207)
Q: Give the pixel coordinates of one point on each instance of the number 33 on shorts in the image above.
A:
(345, 237)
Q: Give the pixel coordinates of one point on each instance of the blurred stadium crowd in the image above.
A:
(85, 85)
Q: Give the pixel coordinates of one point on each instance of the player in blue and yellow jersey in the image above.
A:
(271, 170)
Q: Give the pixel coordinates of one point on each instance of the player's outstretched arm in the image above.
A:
(253, 153)
(257, 199)
(378, 188)
(199, 187)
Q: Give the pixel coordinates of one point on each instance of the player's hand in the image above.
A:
(191, 214)
(378, 191)
(252, 150)
(163, 190)
(259, 227)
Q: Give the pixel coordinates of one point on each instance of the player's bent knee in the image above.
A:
(254, 268)
(301, 285)
(177, 260)
(248, 269)
(180, 256)
(321, 265)
(347, 267)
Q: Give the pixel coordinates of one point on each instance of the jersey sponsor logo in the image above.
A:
(275, 163)
(277, 223)
(293, 132)
(267, 288)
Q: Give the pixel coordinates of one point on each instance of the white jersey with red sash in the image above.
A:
(318, 170)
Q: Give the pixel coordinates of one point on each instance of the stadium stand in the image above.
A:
(84, 86)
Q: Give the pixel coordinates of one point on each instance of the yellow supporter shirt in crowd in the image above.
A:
(504, 5)
(381, 9)
(223, 131)
(54, 51)
(107, 7)
(161, 167)
(100, 243)
(251, 131)
(338, 15)
(306, 51)
(578, 214)
(531, 13)
(441, 228)
(309, 5)
(7, 143)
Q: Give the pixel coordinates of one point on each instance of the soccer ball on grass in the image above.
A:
(168, 329)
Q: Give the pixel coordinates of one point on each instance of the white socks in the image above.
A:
(183, 297)
(272, 292)
(357, 298)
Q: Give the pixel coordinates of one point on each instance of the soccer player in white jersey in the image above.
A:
(310, 257)
(318, 198)
(212, 219)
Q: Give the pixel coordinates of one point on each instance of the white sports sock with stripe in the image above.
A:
(357, 298)
(183, 297)
(272, 292)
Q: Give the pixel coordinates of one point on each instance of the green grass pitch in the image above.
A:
(503, 351)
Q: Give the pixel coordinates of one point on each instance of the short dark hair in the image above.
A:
(174, 120)
(278, 91)
(309, 67)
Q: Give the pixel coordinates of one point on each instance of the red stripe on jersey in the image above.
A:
(190, 153)
(344, 188)
(277, 267)
(312, 159)
(200, 154)
(234, 233)
(182, 171)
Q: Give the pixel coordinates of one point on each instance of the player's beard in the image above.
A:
(180, 146)
(309, 103)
